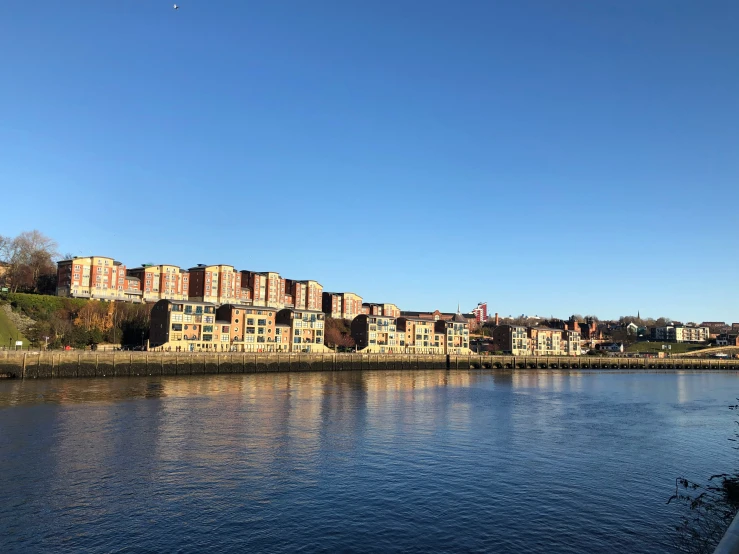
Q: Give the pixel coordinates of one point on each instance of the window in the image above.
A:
(188, 309)
(250, 331)
(224, 338)
(297, 332)
(250, 321)
(207, 337)
(261, 322)
(296, 340)
(248, 338)
(209, 319)
(207, 328)
(177, 326)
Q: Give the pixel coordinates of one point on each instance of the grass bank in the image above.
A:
(654, 347)
(8, 332)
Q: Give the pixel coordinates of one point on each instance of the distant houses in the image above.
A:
(680, 333)
(536, 341)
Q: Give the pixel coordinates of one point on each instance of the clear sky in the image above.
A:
(549, 158)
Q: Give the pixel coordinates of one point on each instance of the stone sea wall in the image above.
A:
(36, 365)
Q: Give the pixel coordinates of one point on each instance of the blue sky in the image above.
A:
(546, 157)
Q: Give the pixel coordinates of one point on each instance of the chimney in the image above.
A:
(497, 319)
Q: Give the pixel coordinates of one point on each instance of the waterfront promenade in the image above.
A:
(58, 364)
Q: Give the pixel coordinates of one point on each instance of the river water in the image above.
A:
(396, 461)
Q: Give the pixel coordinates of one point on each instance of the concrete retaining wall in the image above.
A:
(37, 365)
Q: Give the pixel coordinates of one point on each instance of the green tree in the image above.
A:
(94, 336)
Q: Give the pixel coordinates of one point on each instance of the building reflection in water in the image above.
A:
(251, 426)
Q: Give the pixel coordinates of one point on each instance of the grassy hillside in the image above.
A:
(651, 347)
(8, 333)
(41, 307)
(75, 321)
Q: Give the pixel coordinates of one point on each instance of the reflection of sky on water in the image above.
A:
(493, 450)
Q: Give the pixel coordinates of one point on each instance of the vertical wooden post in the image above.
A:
(23, 371)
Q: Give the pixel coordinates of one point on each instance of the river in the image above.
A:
(375, 461)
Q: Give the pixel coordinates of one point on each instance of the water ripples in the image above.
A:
(478, 461)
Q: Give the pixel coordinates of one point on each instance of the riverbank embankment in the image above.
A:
(57, 364)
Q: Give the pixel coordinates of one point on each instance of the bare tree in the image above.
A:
(707, 509)
(29, 256)
(4, 246)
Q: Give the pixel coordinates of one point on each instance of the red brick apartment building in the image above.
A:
(219, 284)
(98, 277)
